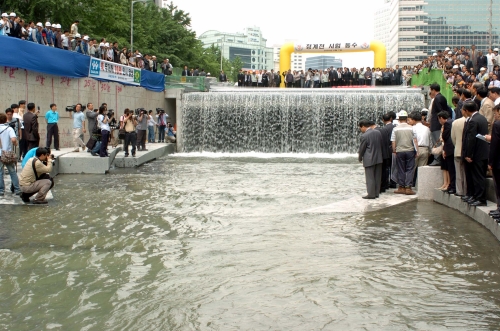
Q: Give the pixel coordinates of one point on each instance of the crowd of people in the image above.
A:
(54, 35)
(328, 78)
(20, 140)
(464, 142)
(463, 67)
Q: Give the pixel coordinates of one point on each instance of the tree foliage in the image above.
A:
(164, 32)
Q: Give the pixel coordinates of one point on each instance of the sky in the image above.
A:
(280, 20)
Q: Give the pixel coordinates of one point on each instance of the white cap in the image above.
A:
(425, 109)
(5, 15)
(78, 35)
(450, 52)
(86, 38)
(59, 26)
(447, 49)
(403, 113)
(106, 45)
(47, 24)
(12, 14)
(482, 69)
(455, 66)
(434, 54)
(101, 45)
(138, 55)
(39, 24)
(495, 50)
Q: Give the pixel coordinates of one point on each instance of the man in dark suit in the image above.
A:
(438, 105)
(370, 153)
(186, 72)
(482, 61)
(397, 74)
(468, 63)
(30, 131)
(448, 149)
(241, 78)
(494, 160)
(222, 77)
(386, 132)
(476, 152)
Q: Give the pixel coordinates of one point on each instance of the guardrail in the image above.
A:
(196, 83)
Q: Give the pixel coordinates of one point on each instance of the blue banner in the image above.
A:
(152, 81)
(17, 53)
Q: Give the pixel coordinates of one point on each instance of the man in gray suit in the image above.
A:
(370, 153)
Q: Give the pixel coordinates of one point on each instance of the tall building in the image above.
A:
(418, 28)
(323, 62)
(249, 46)
(382, 16)
(162, 3)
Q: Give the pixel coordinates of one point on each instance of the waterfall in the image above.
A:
(286, 121)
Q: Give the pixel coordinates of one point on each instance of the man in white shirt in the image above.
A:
(8, 139)
(494, 95)
(423, 135)
(491, 59)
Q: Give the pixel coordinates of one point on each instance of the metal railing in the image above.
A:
(186, 82)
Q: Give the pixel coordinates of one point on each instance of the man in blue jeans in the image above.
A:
(8, 139)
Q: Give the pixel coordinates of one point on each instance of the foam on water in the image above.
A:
(259, 155)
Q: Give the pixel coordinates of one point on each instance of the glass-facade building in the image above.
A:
(323, 62)
(249, 46)
(418, 28)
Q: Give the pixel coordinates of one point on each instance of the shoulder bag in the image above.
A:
(8, 157)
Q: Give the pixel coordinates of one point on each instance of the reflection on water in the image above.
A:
(220, 244)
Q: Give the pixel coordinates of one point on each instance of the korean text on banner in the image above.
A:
(106, 70)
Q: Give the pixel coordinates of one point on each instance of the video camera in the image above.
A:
(111, 112)
(73, 108)
(138, 111)
(160, 111)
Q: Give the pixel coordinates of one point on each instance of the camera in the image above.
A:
(159, 111)
(73, 108)
(140, 111)
(111, 112)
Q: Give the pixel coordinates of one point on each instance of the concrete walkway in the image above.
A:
(359, 205)
(154, 151)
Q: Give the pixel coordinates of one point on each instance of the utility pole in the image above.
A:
(490, 25)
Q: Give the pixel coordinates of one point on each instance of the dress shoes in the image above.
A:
(478, 203)
(400, 190)
(471, 200)
(367, 197)
(451, 192)
(466, 197)
(494, 213)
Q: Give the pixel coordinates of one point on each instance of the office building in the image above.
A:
(381, 31)
(249, 46)
(418, 28)
(162, 3)
(323, 62)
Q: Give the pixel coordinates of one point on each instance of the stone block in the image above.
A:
(154, 152)
(429, 178)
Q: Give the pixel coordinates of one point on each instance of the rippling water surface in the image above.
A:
(190, 243)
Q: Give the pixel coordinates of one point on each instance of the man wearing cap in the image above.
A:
(47, 34)
(405, 146)
(482, 76)
(370, 153)
(5, 25)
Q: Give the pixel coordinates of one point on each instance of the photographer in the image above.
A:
(34, 177)
(162, 125)
(151, 127)
(128, 123)
(103, 121)
(142, 127)
(171, 133)
(78, 128)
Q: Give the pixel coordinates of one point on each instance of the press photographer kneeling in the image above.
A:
(35, 178)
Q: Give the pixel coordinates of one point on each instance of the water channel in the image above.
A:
(211, 243)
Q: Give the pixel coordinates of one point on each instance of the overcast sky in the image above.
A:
(279, 20)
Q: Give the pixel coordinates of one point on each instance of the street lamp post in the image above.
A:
(132, 22)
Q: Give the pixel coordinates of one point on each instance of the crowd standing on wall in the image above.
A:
(53, 35)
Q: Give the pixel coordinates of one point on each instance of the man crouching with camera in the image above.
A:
(34, 177)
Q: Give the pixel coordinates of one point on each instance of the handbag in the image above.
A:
(91, 143)
(437, 150)
(7, 157)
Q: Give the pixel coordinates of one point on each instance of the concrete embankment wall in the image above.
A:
(43, 90)
(429, 178)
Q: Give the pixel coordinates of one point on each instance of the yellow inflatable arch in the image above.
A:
(377, 47)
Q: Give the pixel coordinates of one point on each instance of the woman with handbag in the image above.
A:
(8, 157)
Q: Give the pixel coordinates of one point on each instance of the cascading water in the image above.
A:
(286, 121)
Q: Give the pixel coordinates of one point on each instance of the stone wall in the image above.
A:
(43, 90)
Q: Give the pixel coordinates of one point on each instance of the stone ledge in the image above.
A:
(479, 214)
(154, 152)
